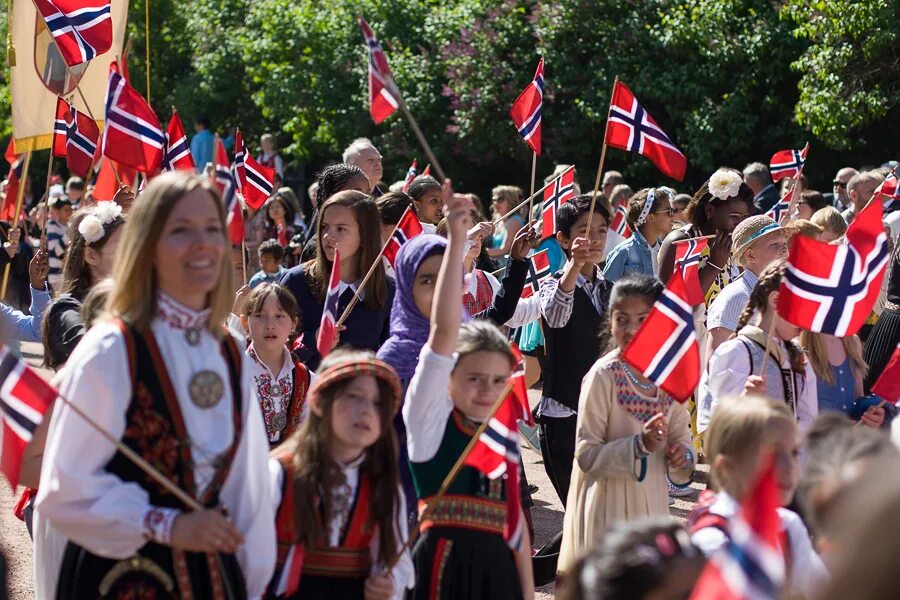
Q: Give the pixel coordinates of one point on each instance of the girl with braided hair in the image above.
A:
(737, 365)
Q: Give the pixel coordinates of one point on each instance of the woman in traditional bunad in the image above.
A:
(165, 379)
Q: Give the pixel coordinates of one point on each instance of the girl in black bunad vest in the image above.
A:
(341, 517)
(165, 378)
(280, 378)
(461, 552)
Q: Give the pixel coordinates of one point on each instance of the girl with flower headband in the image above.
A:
(340, 516)
(629, 435)
(462, 370)
(649, 214)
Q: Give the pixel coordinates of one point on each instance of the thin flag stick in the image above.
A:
(20, 198)
(533, 173)
(775, 317)
(46, 201)
(418, 132)
(147, 44)
(516, 208)
(602, 159)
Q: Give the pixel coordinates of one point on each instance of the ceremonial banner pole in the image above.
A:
(147, 44)
(533, 172)
(418, 132)
(602, 159)
(530, 198)
(20, 197)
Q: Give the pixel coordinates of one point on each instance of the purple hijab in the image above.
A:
(409, 327)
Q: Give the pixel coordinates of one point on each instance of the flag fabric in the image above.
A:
(519, 391)
(631, 128)
(107, 185)
(75, 136)
(688, 254)
(665, 348)
(60, 128)
(177, 156)
(620, 223)
(751, 564)
(538, 271)
(132, 134)
(255, 181)
(427, 170)
(833, 288)
(407, 228)
(328, 326)
(16, 164)
(788, 163)
(781, 210)
(410, 176)
(235, 212)
(82, 29)
(888, 384)
(888, 188)
(223, 172)
(382, 102)
(526, 110)
(497, 453)
(555, 195)
(24, 398)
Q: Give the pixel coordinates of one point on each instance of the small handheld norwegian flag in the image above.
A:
(519, 389)
(82, 29)
(631, 128)
(382, 102)
(620, 223)
(16, 164)
(328, 326)
(224, 175)
(788, 163)
(177, 155)
(688, 254)
(75, 136)
(782, 209)
(526, 110)
(408, 228)
(410, 176)
(255, 181)
(665, 348)
(538, 272)
(561, 191)
(132, 134)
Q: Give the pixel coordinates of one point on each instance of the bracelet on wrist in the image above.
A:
(715, 266)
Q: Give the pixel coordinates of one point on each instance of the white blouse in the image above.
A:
(105, 515)
(274, 391)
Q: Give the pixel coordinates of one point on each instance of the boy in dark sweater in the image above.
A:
(572, 303)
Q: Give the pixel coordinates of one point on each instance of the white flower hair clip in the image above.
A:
(725, 184)
(93, 226)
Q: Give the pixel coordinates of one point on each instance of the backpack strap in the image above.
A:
(749, 354)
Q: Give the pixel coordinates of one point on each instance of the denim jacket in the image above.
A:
(631, 256)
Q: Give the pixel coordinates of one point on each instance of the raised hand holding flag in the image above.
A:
(407, 228)
(526, 110)
(328, 327)
(688, 254)
(255, 181)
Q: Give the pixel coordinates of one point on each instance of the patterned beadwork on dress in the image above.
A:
(640, 407)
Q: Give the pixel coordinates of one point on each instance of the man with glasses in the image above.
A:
(840, 199)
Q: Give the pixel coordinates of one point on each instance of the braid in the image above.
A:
(769, 281)
(746, 315)
(798, 359)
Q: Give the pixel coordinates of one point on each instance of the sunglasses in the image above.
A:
(839, 184)
(670, 211)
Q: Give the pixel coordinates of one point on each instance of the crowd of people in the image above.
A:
(332, 472)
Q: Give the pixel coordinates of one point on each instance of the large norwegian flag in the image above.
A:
(751, 564)
(382, 102)
(538, 272)
(407, 228)
(555, 195)
(24, 398)
(75, 136)
(688, 254)
(16, 164)
(328, 326)
(224, 176)
(620, 223)
(781, 210)
(177, 155)
(255, 181)
(82, 29)
(832, 288)
(888, 384)
(526, 110)
(497, 453)
(665, 348)
(788, 163)
(410, 176)
(631, 128)
(132, 135)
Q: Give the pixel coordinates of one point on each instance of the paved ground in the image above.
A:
(547, 514)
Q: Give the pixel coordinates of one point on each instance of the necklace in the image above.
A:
(644, 386)
(192, 336)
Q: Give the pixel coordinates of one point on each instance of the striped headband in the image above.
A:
(356, 367)
(648, 204)
(765, 229)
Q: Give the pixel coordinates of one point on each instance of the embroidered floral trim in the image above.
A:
(158, 525)
(178, 316)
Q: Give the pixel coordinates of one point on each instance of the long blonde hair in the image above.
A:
(133, 299)
(814, 345)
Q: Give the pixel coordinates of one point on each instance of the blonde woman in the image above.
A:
(166, 379)
(503, 199)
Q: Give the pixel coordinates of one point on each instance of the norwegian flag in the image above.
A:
(888, 189)
(832, 288)
(410, 176)
(782, 209)
(16, 164)
(427, 170)
(787, 163)
(407, 228)
(519, 391)
(688, 254)
(888, 384)
(177, 156)
(382, 103)
(328, 327)
(24, 398)
(223, 172)
(538, 271)
(526, 110)
(82, 29)
(78, 139)
(255, 181)
(619, 223)
(561, 191)
(133, 135)
(751, 564)
(665, 348)
(631, 128)
(496, 453)
(235, 212)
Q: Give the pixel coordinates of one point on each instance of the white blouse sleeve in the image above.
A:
(88, 505)
(808, 398)
(729, 368)
(428, 405)
(403, 573)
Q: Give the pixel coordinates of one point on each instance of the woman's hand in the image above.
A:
(678, 455)
(755, 385)
(240, 299)
(525, 240)
(379, 587)
(655, 432)
(720, 249)
(873, 417)
(205, 531)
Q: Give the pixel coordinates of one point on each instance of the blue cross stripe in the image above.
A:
(673, 346)
(558, 193)
(535, 277)
(531, 123)
(512, 448)
(639, 128)
(843, 290)
(59, 22)
(751, 569)
(149, 133)
(689, 257)
(331, 302)
(82, 143)
(258, 180)
(60, 127)
(779, 208)
(7, 366)
(791, 166)
(399, 236)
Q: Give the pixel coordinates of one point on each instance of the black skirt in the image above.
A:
(461, 564)
(880, 345)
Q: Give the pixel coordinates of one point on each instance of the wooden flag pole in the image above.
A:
(147, 44)
(20, 198)
(516, 208)
(46, 201)
(775, 317)
(602, 159)
(392, 86)
(533, 172)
